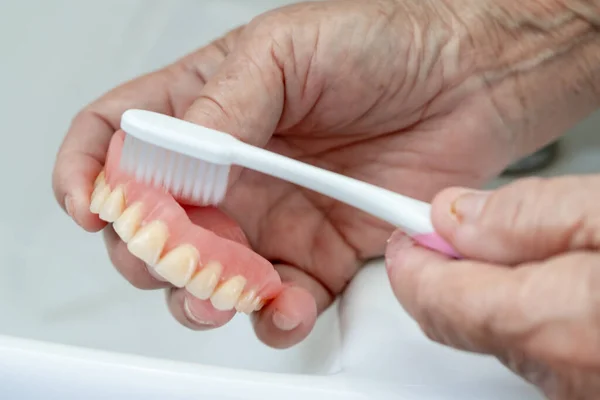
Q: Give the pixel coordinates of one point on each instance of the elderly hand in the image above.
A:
(411, 96)
(532, 298)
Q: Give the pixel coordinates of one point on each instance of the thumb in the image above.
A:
(528, 220)
(245, 97)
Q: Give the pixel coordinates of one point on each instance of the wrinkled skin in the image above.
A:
(391, 92)
(531, 299)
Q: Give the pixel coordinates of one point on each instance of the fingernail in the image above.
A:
(468, 206)
(284, 322)
(398, 241)
(189, 313)
(69, 206)
(397, 244)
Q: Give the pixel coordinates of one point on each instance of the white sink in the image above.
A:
(72, 328)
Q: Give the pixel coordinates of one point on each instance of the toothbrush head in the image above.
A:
(189, 161)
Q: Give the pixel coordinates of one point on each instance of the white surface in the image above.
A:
(57, 285)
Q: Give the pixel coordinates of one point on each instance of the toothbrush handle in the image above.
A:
(408, 214)
(435, 242)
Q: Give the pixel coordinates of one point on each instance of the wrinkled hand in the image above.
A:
(401, 94)
(533, 297)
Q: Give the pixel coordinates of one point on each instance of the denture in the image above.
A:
(157, 230)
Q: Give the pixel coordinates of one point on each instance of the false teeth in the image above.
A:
(148, 243)
(205, 281)
(226, 295)
(178, 266)
(129, 222)
(114, 205)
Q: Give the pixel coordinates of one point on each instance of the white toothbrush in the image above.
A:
(193, 161)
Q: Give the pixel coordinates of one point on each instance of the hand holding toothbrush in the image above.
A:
(395, 93)
(531, 299)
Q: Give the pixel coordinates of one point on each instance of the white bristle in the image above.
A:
(194, 180)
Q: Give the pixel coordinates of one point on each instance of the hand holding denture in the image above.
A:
(531, 298)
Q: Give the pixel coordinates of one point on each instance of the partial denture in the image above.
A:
(181, 266)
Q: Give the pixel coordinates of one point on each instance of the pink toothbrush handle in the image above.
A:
(435, 242)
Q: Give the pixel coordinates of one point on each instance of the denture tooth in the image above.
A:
(244, 304)
(101, 178)
(113, 206)
(204, 282)
(129, 222)
(178, 266)
(257, 304)
(99, 196)
(148, 243)
(226, 295)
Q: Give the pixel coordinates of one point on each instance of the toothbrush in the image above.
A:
(193, 161)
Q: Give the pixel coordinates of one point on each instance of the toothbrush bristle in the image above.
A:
(196, 181)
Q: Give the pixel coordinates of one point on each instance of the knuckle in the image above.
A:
(516, 206)
(528, 210)
(527, 198)
(83, 117)
(80, 117)
(271, 25)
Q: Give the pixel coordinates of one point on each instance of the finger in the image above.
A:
(456, 303)
(245, 97)
(134, 270)
(291, 316)
(546, 310)
(528, 220)
(283, 322)
(194, 313)
(83, 151)
(287, 320)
